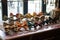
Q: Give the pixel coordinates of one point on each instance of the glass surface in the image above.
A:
(0, 11)
(14, 0)
(15, 7)
(50, 5)
(34, 6)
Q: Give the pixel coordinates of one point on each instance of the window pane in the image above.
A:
(30, 0)
(15, 7)
(34, 6)
(31, 6)
(12, 7)
(14, 0)
(50, 6)
(33, 0)
(0, 12)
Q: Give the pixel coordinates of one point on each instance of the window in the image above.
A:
(50, 5)
(34, 6)
(0, 11)
(15, 6)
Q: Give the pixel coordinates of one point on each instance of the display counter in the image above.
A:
(49, 31)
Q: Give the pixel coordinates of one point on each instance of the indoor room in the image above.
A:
(29, 19)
